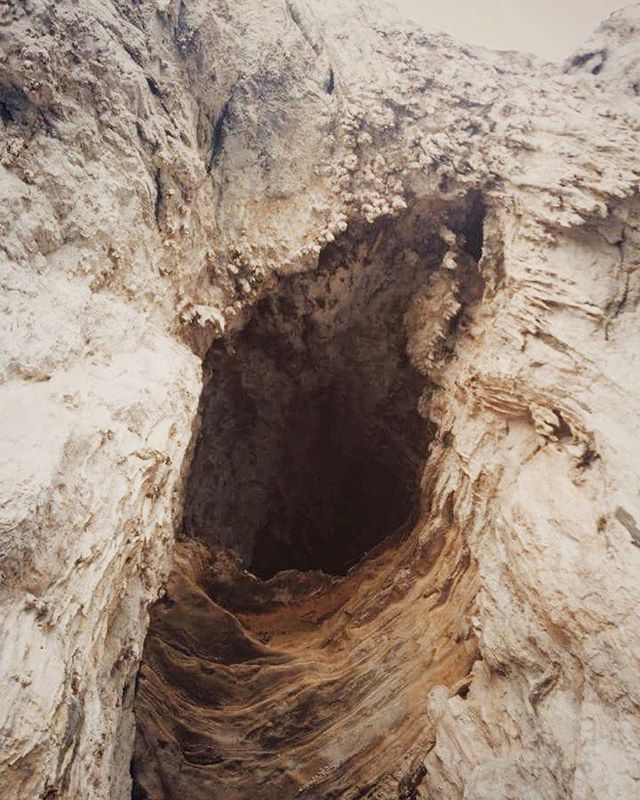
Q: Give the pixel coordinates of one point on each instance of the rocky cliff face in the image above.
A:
(350, 312)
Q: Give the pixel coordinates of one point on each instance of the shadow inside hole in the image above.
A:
(345, 485)
(311, 447)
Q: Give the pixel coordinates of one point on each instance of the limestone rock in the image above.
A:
(351, 310)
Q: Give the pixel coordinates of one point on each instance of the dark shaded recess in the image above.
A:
(582, 60)
(310, 454)
(471, 227)
(137, 792)
(330, 82)
(562, 430)
(13, 104)
(159, 201)
(153, 87)
(217, 136)
(311, 448)
(470, 230)
(348, 481)
(408, 789)
(17, 109)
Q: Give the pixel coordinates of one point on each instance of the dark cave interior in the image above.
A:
(307, 466)
(311, 447)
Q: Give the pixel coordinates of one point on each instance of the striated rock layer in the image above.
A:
(351, 312)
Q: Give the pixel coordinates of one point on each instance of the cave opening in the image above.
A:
(311, 446)
(308, 466)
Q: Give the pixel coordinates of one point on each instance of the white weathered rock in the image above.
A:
(160, 163)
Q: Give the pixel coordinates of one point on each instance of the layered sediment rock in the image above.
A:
(349, 310)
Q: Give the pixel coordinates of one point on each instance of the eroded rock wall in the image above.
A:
(164, 165)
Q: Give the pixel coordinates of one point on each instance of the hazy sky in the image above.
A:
(551, 28)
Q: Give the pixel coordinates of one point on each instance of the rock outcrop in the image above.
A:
(350, 313)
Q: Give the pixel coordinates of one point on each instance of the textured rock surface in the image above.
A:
(164, 166)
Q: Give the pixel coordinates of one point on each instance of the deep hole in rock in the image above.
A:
(310, 455)
(311, 445)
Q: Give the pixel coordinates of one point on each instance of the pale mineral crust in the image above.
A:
(314, 199)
